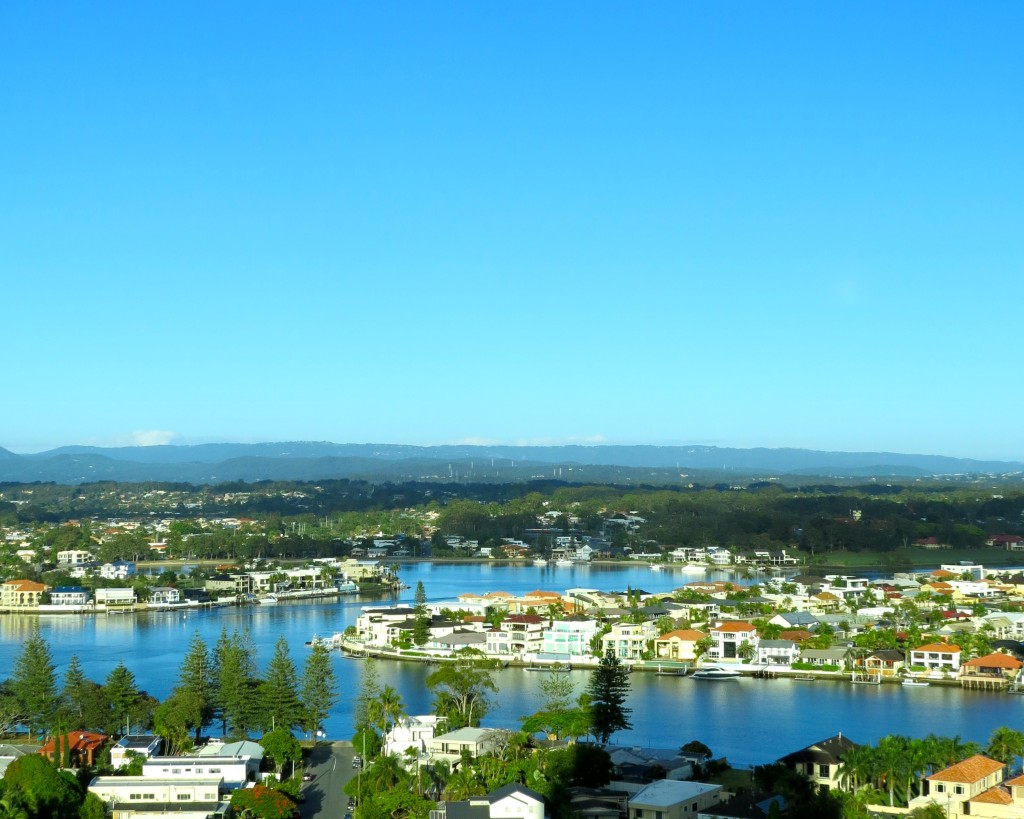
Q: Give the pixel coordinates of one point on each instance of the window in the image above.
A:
(823, 771)
(940, 788)
(959, 789)
(184, 797)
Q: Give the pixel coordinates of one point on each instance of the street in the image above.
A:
(331, 766)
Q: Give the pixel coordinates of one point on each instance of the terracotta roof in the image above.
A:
(26, 585)
(547, 595)
(1017, 781)
(498, 594)
(943, 573)
(942, 648)
(683, 634)
(825, 596)
(994, 796)
(796, 635)
(996, 660)
(970, 770)
(734, 625)
(78, 740)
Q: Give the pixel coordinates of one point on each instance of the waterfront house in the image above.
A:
(145, 745)
(570, 637)
(825, 658)
(821, 762)
(81, 747)
(21, 594)
(69, 596)
(457, 640)
(991, 670)
(115, 598)
(777, 652)
(164, 596)
(628, 641)
(795, 619)
(937, 657)
(672, 799)
(955, 788)
(886, 663)
(178, 797)
(678, 645)
(517, 634)
(727, 639)
(372, 625)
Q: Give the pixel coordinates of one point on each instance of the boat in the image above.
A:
(268, 599)
(655, 567)
(909, 682)
(557, 668)
(563, 562)
(715, 672)
(806, 678)
(539, 561)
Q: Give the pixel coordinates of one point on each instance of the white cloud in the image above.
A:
(151, 437)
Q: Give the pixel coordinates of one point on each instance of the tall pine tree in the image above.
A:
(35, 683)
(421, 617)
(319, 688)
(608, 690)
(279, 691)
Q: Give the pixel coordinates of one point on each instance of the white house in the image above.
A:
(777, 652)
(936, 657)
(164, 596)
(570, 637)
(73, 557)
(143, 745)
(412, 733)
(628, 641)
(128, 796)
(69, 596)
(112, 598)
(672, 799)
(475, 741)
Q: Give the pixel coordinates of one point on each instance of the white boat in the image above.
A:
(715, 672)
(539, 561)
(912, 683)
(563, 562)
(655, 567)
(268, 599)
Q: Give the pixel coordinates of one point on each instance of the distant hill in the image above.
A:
(304, 460)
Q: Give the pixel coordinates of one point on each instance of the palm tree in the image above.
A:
(858, 767)
(386, 708)
(462, 784)
(1005, 744)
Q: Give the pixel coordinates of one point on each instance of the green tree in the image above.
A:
(236, 684)
(282, 747)
(43, 791)
(72, 695)
(421, 617)
(460, 692)
(34, 682)
(319, 688)
(279, 691)
(386, 709)
(195, 691)
(123, 695)
(609, 690)
(1005, 745)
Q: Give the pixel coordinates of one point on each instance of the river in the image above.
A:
(749, 721)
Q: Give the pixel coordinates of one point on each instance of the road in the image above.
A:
(331, 766)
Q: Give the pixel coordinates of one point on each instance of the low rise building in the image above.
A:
(672, 799)
(822, 761)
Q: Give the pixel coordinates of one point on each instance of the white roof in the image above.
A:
(667, 792)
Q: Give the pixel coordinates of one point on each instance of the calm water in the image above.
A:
(749, 721)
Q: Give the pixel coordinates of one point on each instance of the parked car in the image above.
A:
(357, 761)
(307, 777)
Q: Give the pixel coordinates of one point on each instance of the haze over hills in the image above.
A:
(214, 463)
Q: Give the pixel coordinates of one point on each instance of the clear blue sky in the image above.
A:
(741, 224)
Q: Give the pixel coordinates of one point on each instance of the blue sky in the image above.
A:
(741, 224)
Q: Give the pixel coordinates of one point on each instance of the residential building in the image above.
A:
(412, 733)
(992, 669)
(728, 638)
(821, 762)
(73, 557)
(164, 596)
(21, 594)
(628, 641)
(679, 645)
(570, 637)
(887, 663)
(115, 598)
(937, 657)
(117, 570)
(672, 799)
(474, 741)
(508, 802)
(70, 596)
(777, 652)
(957, 787)
(518, 634)
(182, 798)
(145, 745)
(81, 747)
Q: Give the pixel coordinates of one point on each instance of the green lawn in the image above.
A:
(919, 558)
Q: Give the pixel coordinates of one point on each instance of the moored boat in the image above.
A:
(715, 672)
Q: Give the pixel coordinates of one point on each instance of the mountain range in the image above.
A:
(304, 460)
